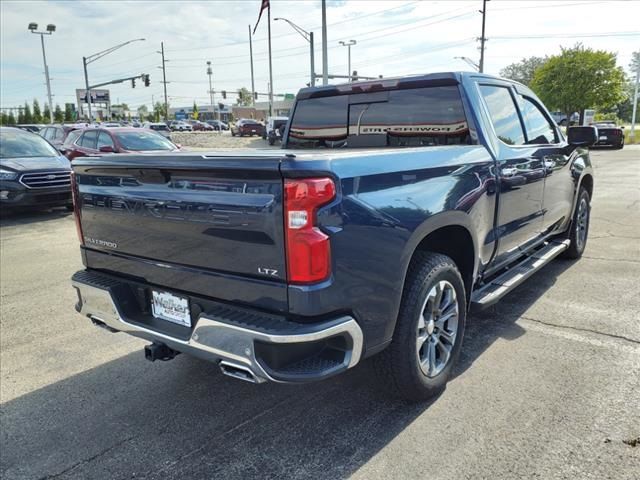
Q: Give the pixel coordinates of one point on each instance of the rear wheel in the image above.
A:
(620, 146)
(579, 230)
(429, 331)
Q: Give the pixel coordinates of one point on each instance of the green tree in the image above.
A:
(195, 111)
(11, 120)
(158, 112)
(46, 117)
(37, 116)
(4, 118)
(26, 114)
(244, 97)
(523, 70)
(58, 116)
(68, 112)
(580, 78)
(143, 112)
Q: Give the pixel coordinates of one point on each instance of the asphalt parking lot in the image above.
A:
(548, 385)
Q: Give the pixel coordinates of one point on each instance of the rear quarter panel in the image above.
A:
(388, 201)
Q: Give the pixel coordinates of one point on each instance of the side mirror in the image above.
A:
(107, 149)
(582, 136)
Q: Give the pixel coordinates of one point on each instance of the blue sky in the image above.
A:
(394, 38)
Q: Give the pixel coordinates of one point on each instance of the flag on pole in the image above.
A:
(263, 7)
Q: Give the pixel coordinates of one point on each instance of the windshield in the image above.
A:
(21, 144)
(394, 118)
(142, 141)
(158, 127)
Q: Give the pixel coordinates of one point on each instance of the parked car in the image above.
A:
(158, 127)
(275, 128)
(610, 134)
(247, 127)
(29, 127)
(97, 141)
(32, 172)
(218, 125)
(561, 118)
(180, 126)
(56, 134)
(199, 126)
(397, 205)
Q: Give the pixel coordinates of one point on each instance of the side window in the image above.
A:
(48, 133)
(539, 129)
(88, 140)
(104, 140)
(59, 134)
(503, 113)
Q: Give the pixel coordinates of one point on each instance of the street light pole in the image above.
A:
(635, 63)
(97, 56)
(210, 72)
(348, 45)
(325, 55)
(50, 29)
(482, 38)
(308, 36)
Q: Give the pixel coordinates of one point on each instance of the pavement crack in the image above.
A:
(87, 460)
(611, 259)
(581, 329)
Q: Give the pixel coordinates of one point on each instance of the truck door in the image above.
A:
(521, 175)
(551, 149)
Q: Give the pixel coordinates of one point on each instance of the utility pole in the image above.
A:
(270, 69)
(253, 86)
(348, 45)
(483, 38)
(635, 63)
(164, 82)
(50, 29)
(210, 72)
(325, 56)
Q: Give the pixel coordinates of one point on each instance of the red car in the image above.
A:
(95, 141)
(247, 127)
(197, 125)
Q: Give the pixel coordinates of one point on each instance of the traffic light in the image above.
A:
(145, 78)
(133, 83)
(224, 94)
(221, 106)
(255, 95)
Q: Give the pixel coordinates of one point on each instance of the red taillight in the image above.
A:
(308, 249)
(76, 207)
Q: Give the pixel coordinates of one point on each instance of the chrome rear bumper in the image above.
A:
(243, 347)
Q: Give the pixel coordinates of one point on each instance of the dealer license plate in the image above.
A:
(602, 137)
(172, 308)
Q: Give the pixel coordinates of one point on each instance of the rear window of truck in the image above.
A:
(395, 118)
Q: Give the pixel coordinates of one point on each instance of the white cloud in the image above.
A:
(394, 38)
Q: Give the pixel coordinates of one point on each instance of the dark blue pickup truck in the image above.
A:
(393, 208)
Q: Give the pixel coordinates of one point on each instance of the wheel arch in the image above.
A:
(451, 234)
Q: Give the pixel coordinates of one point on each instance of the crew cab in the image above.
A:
(394, 207)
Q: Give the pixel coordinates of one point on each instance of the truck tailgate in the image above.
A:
(202, 215)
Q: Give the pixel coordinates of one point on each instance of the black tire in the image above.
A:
(233, 134)
(272, 141)
(399, 365)
(620, 146)
(579, 229)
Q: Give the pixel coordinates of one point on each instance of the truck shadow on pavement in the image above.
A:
(183, 419)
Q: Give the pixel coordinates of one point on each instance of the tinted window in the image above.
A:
(539, 130)
(72, 137)
(48, 133)
(141, 141)
(22, 144)
(503, 113)
(104, 140)
(89, 138)
(59, 134)
(395, 118)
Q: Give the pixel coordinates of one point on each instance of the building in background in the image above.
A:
(205, 112)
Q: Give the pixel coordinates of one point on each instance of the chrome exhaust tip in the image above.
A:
(238, 371)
